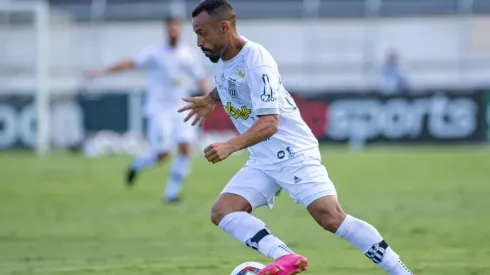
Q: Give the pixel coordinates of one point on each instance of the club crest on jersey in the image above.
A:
(232, 88)
(243, 112)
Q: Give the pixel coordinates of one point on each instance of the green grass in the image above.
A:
(72, 215)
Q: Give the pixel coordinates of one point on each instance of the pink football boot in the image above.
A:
(286, 265)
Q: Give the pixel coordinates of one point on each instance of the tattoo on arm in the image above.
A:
(214, 95)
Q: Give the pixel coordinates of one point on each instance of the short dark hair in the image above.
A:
(172, 18)
(220, 8)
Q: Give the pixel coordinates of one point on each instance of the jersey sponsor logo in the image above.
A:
(281, 154)
(232, 89)
(268, 95)
(243, 112)
(290, 152)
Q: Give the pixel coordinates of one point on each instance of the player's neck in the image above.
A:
(173, 43)
(234, 47)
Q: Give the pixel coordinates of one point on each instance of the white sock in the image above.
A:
(253, 232)
(144, 161)
(180, 170)
(367, 239)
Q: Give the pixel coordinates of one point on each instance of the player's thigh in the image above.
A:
(305, 180)
(159, 133)
(255, 186)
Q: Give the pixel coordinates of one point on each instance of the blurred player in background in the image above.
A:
(284, 153)
(170, 66)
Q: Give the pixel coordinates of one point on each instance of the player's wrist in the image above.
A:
(233, 146)
(210, 100)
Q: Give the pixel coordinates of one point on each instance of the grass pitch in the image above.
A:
(73, 215)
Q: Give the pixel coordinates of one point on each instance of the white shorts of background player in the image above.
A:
(167, 129)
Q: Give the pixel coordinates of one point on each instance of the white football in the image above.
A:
(247, 268)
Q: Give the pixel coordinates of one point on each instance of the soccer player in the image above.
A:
(284, 153)
(171, 66)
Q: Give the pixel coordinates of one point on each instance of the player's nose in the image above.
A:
(200, 42)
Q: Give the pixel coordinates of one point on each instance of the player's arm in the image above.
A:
(142, 59)
(214, 96)
(265, 127)
(262, 82)
(120, 66)
(123, 65)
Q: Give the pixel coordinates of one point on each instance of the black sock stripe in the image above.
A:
(260, 235)
(383, 244)
(254, 241)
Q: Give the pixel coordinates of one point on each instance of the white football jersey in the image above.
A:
(250, 85)
(172, 71)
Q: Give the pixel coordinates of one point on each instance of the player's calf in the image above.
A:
(179, 172)
(141, 163)
(231, 213)
(162, 156)
(328, 213)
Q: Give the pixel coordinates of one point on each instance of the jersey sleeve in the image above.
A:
(144, 58)
(263, 83)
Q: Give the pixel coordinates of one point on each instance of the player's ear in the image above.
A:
(225, 26)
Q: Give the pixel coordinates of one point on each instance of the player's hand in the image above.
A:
(217, 152)
(200, 107)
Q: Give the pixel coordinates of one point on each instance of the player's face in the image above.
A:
(211, 36)
(174, 28)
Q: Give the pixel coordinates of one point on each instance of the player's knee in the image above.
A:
(226, 204)
(184, 149)
(162, 156)
(332, 221)
(217, 213)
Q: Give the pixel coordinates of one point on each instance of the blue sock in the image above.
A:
(144, 161)
(180, 170)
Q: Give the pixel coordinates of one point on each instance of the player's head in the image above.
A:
(392, 58)
(173, 26)
(214, 22)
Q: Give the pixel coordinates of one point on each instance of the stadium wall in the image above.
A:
(314, 55)
(110, 123)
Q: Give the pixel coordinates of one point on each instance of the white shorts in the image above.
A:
(167, 129)
(303, 177)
